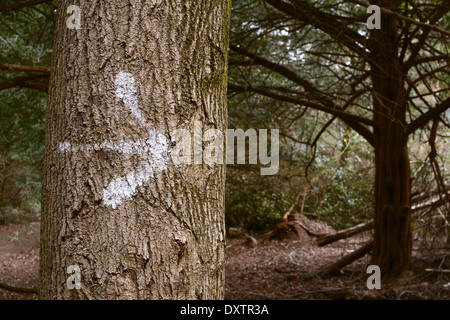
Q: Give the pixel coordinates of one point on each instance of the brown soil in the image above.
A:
(270, 270)
(19, 259)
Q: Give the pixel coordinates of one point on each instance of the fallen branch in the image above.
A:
(344, 234)
(335, 268)
(438, 270)
(419, 197)
(365, 226)
(5, 286)
(433, 203)
(290, 230)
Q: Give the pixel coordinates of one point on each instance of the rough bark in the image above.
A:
(113, 202)
(392, 236)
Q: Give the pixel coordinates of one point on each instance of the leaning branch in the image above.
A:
(306, 103)
(343, 234)
(283, 70)
(5, 286)
(335, 268)
(355, 122)
(305, 11)
(15, 67)
(428, 116)
(11, 5)
(325, 239)
(34, 82)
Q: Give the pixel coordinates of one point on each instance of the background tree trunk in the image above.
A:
(392, 238)
(113, 202)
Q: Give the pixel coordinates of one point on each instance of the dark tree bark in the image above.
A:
(392, 237)
(113, 202)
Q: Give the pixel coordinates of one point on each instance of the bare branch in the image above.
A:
(402, 17)
(8, 287)
(283, 70)
(15, 67)
(354, 121)
(9, 5)
(26, 82)
(429, 115)
(334, 268)
(328, 23)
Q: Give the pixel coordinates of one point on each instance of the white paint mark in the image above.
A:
(154, 3)
(126, 91)
(140, 147)
(125, 187)
(74, 21)
(154, 149)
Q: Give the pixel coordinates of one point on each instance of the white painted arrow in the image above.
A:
(153, 149)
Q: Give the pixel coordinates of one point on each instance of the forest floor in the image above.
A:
(284, 270)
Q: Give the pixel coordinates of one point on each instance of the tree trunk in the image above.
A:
(114, 203)
(392, 238)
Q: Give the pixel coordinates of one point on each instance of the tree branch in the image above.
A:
(15, 67)
(8, 5)
(26, 82)
(5, 286)
(334, 268)
(306, 103)
(402, 17)
(416, 48)
(328, 23)
(430, 59)
(428, 116)
(354, 121)
(285, 71)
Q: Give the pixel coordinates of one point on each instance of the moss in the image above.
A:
(218, 272)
